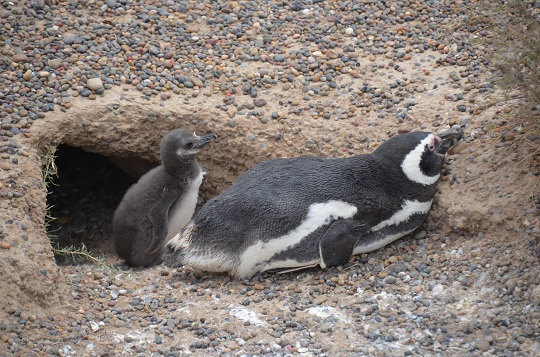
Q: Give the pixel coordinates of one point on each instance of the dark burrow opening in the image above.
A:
(82, 200)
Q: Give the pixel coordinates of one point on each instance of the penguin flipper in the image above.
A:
(337, 244)
(158, 216)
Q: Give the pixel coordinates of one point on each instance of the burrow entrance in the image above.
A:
(82, 200)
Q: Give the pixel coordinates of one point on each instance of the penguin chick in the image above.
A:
(161, 202)
(301, 212)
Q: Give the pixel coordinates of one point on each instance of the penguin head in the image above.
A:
(180, 145)
(419, 155)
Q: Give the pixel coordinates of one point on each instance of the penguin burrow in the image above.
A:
(82, 197)
(294, 213)
(163, 200)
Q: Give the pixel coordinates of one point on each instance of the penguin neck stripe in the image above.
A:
(319, 214)
(411, 164)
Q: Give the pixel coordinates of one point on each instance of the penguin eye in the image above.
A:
(189, 145)
(431, 146)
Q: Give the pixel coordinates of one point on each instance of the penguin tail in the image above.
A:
(182, 240)
(175, 253)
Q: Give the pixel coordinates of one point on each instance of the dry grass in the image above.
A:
(512, 29)
(50, 173)
(518, 33)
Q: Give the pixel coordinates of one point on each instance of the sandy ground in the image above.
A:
(465, 283)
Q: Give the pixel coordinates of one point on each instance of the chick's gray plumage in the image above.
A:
(162, 201)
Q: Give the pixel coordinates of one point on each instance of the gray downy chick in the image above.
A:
(161, 202)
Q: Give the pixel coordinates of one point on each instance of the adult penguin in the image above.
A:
(307, 211)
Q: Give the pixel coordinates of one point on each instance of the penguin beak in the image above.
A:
(203, 140)
(450, 138)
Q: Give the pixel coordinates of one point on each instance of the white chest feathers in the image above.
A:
(182, 210)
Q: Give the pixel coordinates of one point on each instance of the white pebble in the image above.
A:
(94, 83)
(349, 31)
(94, 325)
(438, 289)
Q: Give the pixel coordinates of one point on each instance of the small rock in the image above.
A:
(332, 54)
(5, 166)
(438, 289)
(511, 285)
(54, 63)
(321, 299)
(94, 83)
(5, 245)
(194, 28)
(196, 81)
(509, 136)
(483, 346)
(94, 325)
(20, 57)
(259, 102)
(28, 75)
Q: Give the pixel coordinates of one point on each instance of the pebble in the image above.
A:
(28, 75)
(20, 58)
(321, 299)
(94, 84)
(483, 346)
(5, 245)
(54, 63)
